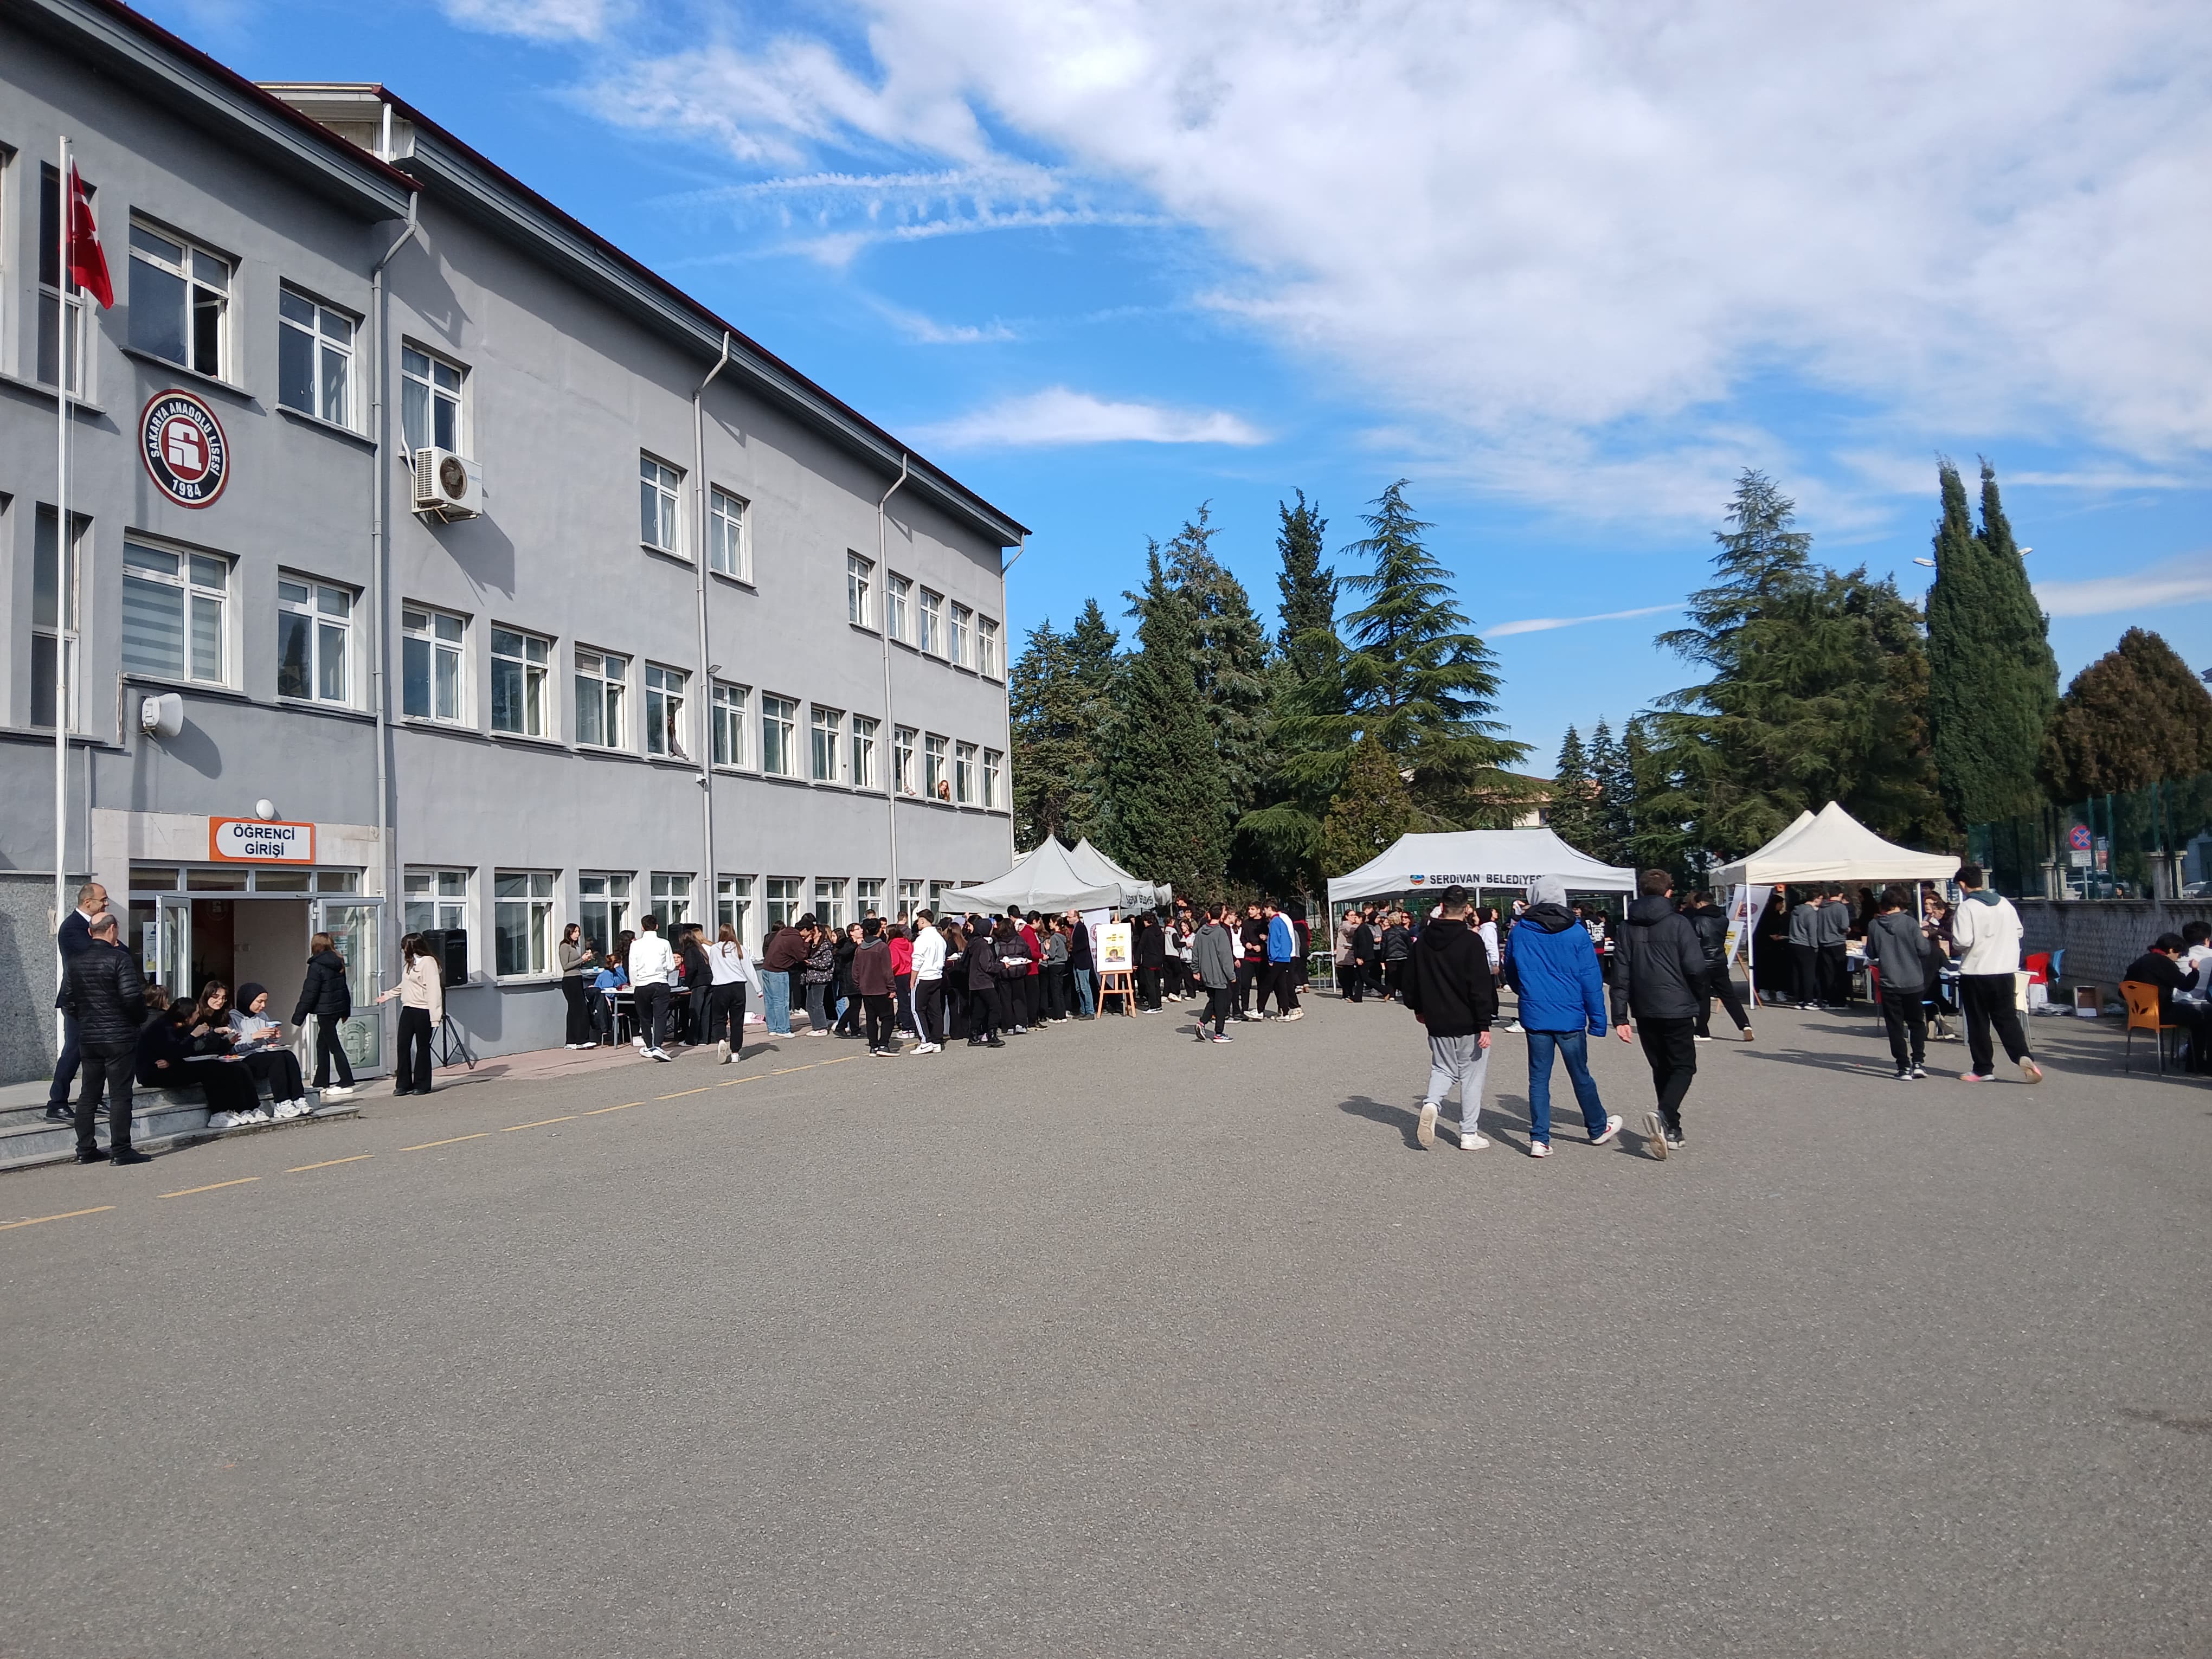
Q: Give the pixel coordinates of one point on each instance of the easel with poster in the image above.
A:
(1116, 959)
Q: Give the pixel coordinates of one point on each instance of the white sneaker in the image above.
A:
(221, 1119)
(1654, 1136)
(1515, 1027)
(1471, 1139)
(1540, 1149)
(1296, 1013)
(722, 1052)
(258, 1115)
(1701, 1039)
(286, 1111)
(337, 1092)
(1612, 1128)
(656, 1053)
(1426, 1131)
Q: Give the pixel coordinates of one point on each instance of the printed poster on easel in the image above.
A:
(1114, 951)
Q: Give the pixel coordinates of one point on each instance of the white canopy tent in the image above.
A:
(1043, 878)
(1093, 865)
(1833, 846)
(1479, 859)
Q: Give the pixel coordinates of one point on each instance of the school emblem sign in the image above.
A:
(182, 447)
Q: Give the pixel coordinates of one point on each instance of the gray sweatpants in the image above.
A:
(1462, 1061)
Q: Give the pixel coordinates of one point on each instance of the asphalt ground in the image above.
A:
(1111, 1344)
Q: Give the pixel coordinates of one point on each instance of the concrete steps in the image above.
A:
(162, 1120)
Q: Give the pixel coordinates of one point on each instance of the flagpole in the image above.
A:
(65, 201)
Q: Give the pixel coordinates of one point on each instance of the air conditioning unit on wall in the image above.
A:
(448, 485)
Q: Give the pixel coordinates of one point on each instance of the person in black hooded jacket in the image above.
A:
(1448, 984)
(326, 994)
(1712, 924)
(1659, 976)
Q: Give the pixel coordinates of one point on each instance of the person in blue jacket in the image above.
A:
(1283, 959)
(1553, 970)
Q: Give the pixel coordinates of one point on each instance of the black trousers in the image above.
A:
(277, 1067)
(230, 1088)
(1906, 1017)
(983, 1014)
(877, 1011)
(1719, 982)
(1988, 999)
(1283, 980)
(1836, 973)
(414, 1072)
(577, 988)
(111, 1066)
(1057, 992)
(929, 1010)
(1217, 1008)
(1394, 978)
(725, 1015)
(1148, 987)
(649, 1013)
(329, 1052)
(1250, 975)
(902, 1007)
(1670, 1048)
(1805, 959)
(72, 1056)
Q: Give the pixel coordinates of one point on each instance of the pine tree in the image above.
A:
(1607, 832)
(1228, 659)
(2135, 717)
(1370, 812)
(1993, 682)
(1573, 814)
(1052, 753)
(1308, 641)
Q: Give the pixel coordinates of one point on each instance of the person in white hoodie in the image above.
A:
(1985, 935)
(734, 976)
(928, 985)
(652, 965)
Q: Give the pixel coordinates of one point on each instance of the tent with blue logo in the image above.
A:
(1497, 861)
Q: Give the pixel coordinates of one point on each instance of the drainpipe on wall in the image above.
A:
(1006, 684)
(889, 735)
(380, 536)
(706, 740)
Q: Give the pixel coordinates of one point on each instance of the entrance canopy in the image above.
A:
(1042, 879)
(1136, 895)
(1479, 857)
(1833, 846)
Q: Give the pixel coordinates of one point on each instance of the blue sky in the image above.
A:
(1566, 269)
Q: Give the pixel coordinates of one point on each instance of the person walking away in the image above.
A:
(1562, 996)
(1448, 988)
(1080, 966)
(1148, 952)
(981, 966)
(731, 976)
(929, 953)
(1213, 954)
(652, 967)
(258, 1041)
(901, 939)
(579, 964)
(1835, 935)
(1711, 923)
(2165, 966)
(1805, 948)
(1986, 933)
(106, 994)
(1903, 960)
(422, 993)
(1283, 963)
(877, 985)
(689, 941)
(1397, 950)
(74, 934)
(326, 994)
(1659, 974)
(782, 956)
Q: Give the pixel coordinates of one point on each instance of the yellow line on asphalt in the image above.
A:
(540, 1124)
(302, 1169)
(680, 1093)
(34, 1220)
(624, 1107)
(425, 1146)
(212, 1187)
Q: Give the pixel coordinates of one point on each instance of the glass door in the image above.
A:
(173, 947)
(353, 926)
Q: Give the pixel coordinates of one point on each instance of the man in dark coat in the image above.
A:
(106, 995)
(73, 936)
(1711, 922)
(1448, 984)
(1659, 976)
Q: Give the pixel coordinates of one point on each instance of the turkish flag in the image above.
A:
(87, 265)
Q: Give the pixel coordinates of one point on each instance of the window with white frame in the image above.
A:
(932, 623)
(938, 890)
(995, 766)
(934, 783)
(314, 358)
(963, 773)
(663, 711)
(660, 524)
(727, 551)
(987, 648)
(782, 901)
(829, 900)
(860, 584)
(601, 679)
(435, 899)
(730, 710)
(898, 605)
(179, 300)
(909, 897)
(602, 906)
(963, 628)
(430, 401)
(520, 664)
(671, 899)
(780, 737)
(902, 778)
(864, 752)
(175, 614)
(733, 905)
(867, 898)
(60, 342)
(828, 723)
(433, 656)
(54, 617)
(522, 922)
(314, 640)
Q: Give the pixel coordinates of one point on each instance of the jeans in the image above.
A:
(1084, 987)
(1463, 1062)
(1991, 1000)
(1906, 1016)
(903, 1001)
(1670, 1048)
(72, 1054)
(414, 1071)
(1573, 1047)
(650, 1002)
(817, 1006)
(113, 1065)
(776, 1001)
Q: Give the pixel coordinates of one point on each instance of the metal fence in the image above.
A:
(2154, 842)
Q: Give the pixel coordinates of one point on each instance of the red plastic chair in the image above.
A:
(2039, 968)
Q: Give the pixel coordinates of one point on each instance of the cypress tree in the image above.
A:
(1572, 810)
(1052, 755)
(1992, 681)
(1228, 659)
(1607, 836)
(1307, 642)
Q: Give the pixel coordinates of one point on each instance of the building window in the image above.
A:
(730, 723)
(994, 764)
(602, 906)
(173, 607)
(782, 901)
(522, 921)
(860, 579)
(828, 723)
(431, 651)
(663, 711)
(867, 898)
(829, 900)
(963, 773)
(932, 623)
(987, 648)
(671, 899)
(314, 641)
(436, 900)
(902, 759)
(48, 601)
(964, 622)
(779, 733)
(658, 523)
(864, 752)
(726, 551)
(179, 300)
(938, 890)
(429, 401)
(314, 358)
(519, 667)
(934, 783)
(898, 605)
(909, 897)
(57, 343)
(601, 677)
(734, 905)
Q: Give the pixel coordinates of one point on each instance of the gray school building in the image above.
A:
(432, 563)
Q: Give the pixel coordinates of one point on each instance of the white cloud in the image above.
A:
(536, 20)
(916, 325)
(1546, 625)
(1058, 416)
(2186, 580)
